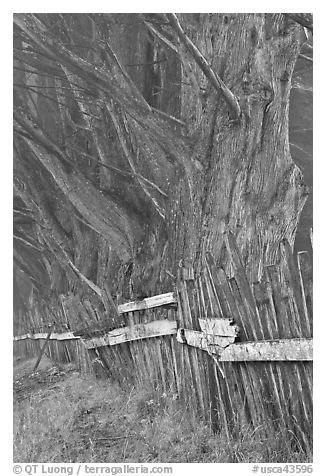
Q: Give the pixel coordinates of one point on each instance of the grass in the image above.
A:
(62, 416)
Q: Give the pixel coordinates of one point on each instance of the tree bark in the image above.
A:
(248, 183)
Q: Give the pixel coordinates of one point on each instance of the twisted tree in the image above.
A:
(141, 139)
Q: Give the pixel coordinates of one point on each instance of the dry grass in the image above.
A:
(76, 418)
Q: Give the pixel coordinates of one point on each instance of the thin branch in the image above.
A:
(215, 80)
(111, 82)
(172, 118)
(306, 57)
(20, 212)
(124, 173)
(148, 63)
(301, 20)
(85, 223)
(302, 130)
(52, 75)
(35, 132)
(30, 88)
(161, 37)
(83, 278)
(119, 126)
(24, 268)
(301, 149)
(98, 77)
(43, 87)
(151, 184)
(65, 260)
(26, 242)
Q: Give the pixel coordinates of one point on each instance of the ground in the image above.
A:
(61, 415)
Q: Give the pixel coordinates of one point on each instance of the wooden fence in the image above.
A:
(62, 348)
(239, 353)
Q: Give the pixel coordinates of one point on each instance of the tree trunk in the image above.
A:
(245, 180)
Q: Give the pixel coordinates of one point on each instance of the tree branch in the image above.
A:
(126, 146)
(111, 82)
(301, 20)
(83, 278)
(215, 80)
(16, 237)
(106, 217)
(306, 58)
(161, 37)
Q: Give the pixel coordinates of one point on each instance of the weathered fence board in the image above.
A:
(148, 303)
(277, 350)
(134, 332)
(202, 340)
(42, 335)
(219, 327)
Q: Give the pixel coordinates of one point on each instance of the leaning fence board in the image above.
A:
(294, 276)
(135, 332)
(306, 275)
(278, 305)
(148, 303)
(221, 287)
(185, 291)
(241, 276)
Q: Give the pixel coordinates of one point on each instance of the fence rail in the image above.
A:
(217, 344)
(43, 335)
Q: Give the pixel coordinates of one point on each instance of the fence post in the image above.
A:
(46, 343)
